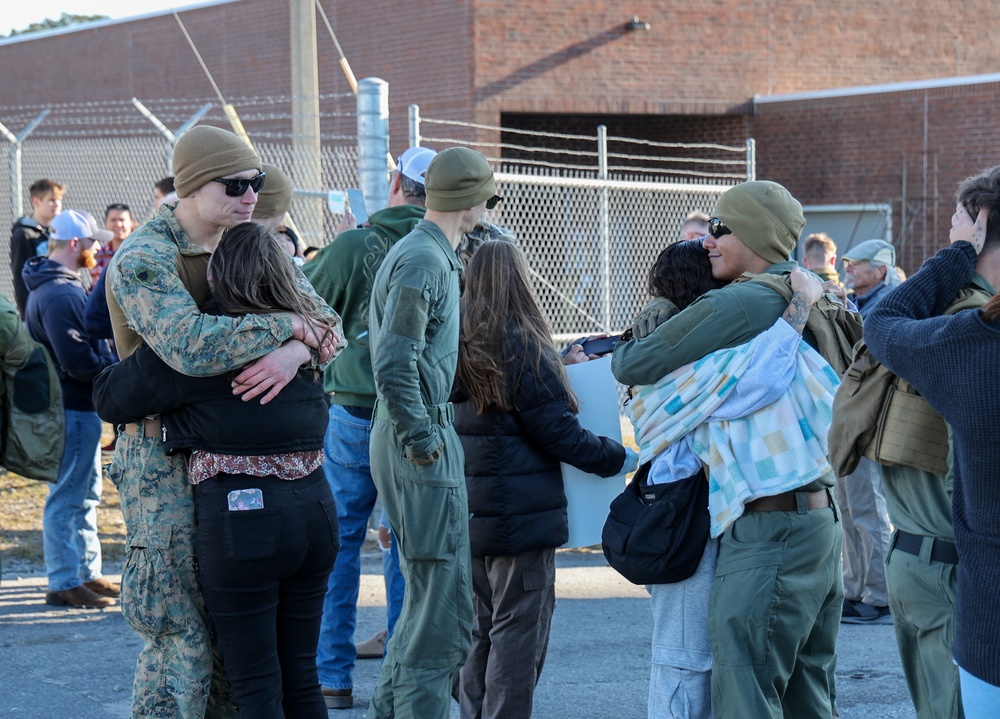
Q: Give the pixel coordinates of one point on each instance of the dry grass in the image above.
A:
(21, 504)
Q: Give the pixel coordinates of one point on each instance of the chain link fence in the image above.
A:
(590, 220)
(114, 152)
(590, 243)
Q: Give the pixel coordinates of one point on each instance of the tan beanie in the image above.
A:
(764, 216)
(204, 153)
(275, 197)
(457, 179)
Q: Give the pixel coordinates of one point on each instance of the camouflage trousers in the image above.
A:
(178, 674)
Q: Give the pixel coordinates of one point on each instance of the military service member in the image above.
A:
(773, 649)
(154, 284)
(416, 457)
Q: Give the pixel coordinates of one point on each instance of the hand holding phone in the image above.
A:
(599, 345)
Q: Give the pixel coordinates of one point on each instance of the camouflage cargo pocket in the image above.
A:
(154, 600)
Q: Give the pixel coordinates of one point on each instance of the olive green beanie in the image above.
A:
(204, 153)
(764, 216)
(275, 197)
(457, 179)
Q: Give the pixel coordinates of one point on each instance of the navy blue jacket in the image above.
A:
(96, 315)
(54, 316)
(952, 362)
(516, 494)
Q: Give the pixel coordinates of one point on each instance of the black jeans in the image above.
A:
(263, 574)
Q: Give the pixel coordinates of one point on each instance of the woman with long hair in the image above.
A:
(516, 416)
(267, 535)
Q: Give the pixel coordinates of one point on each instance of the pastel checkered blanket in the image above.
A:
(778, 448)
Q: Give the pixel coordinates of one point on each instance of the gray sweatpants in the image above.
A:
(680, 681)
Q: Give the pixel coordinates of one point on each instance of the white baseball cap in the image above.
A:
(413, 163)
(77, 225)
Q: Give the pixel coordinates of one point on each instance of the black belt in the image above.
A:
(941, 551)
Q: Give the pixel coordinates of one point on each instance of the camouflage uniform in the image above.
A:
(155, 281)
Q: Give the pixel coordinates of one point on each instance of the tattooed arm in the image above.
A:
(806, 289)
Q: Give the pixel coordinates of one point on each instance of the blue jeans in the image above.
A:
(69, 522)
(394, 583)
(348, 471)
(979, 699)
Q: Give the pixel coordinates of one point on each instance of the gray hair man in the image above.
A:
(870, 268)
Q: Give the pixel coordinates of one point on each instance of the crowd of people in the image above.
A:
(266, 397)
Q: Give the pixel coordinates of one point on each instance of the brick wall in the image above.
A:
(536, 62)
(860, 149)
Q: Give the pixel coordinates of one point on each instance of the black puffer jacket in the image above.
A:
(516, 494)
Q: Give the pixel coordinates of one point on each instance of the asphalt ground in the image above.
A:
(62, 663)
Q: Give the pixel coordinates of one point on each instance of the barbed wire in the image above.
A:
(480, 126)
(589, 138)
(193, 102)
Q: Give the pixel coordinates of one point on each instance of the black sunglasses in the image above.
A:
(493, 202)
(116, 207)
(237, 187)
(716, 229)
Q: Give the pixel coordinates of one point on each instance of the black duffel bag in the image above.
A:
(656, 534)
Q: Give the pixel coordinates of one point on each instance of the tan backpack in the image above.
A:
(880, 416)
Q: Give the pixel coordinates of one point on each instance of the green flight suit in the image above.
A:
(775, 604)
(155, 281)
(418, 466)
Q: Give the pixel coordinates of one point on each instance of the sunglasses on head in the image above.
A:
(716, 229)
(493, 202)
(237, 187)
(117, 207)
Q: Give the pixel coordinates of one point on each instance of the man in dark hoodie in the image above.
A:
(30, 233)
(342, 274)
(54, 316)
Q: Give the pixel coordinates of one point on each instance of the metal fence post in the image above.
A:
(16, 198)
(414, 117)
(165, 131)
(373, 141)
(751, 159)
(604, 229)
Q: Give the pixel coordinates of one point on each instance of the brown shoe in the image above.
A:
(77, 597)
(104, 587)
(338, 698)
(373, 647)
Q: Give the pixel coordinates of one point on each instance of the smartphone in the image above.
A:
(600, 346)
(244, 499)
(356, 199)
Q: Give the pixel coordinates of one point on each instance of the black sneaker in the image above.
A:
(860, 613)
